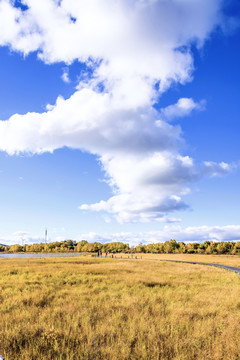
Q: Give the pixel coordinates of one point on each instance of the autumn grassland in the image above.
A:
(89, 308)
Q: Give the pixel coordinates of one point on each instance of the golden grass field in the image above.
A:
(89, 308)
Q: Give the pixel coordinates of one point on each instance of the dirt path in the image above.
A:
(226, 267)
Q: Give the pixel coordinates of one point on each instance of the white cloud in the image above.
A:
(177, 232)
(65, 76)
(182, 108)
(134, 39)
(188, 234)
(131, 46)
(20, 237)
(147, 185)
(217, 169)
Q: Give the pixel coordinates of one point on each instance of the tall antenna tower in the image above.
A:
(45, 236)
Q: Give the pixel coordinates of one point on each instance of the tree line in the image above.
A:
(168, 247)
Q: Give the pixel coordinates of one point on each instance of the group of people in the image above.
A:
(101, 254)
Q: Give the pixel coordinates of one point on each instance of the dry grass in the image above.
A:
(87, 308)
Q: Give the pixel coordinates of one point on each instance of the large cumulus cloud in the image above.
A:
(136, 49)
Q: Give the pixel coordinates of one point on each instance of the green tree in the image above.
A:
(15, 248)
(170, 246)
(80, 245)
(236, 248)
(2, 248)
(140, 248)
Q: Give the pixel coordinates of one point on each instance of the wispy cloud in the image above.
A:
(218, 169)
(65, 75)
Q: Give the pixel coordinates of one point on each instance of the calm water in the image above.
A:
(12, 256)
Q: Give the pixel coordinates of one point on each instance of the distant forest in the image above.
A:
(168, 247)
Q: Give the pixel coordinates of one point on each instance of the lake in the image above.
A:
(12, 256)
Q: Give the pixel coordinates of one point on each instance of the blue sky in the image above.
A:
(127, 125)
